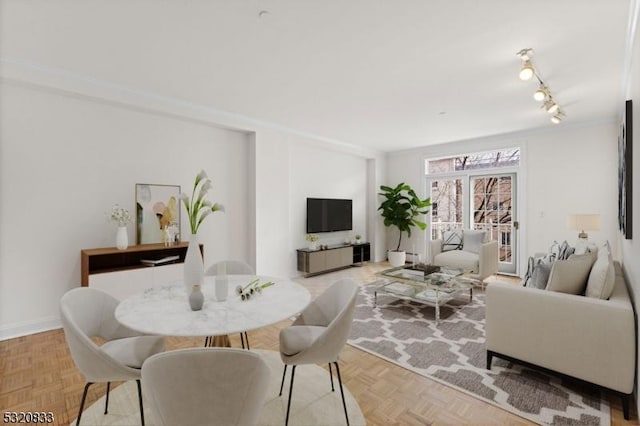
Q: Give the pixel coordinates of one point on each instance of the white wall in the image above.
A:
(67, 160)
(565, 170)
(631, 248)
(59, 129)
(320, 173)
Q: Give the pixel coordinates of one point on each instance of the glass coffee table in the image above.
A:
(434, 289)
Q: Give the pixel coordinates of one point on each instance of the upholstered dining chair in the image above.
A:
(230, 267)
(206, 386)
(319, 333)
(88, 313)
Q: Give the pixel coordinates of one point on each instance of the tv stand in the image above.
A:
(313, 262)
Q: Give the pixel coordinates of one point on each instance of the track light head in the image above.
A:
(526, 72)
(551, 106)
(541, 94)
(557, 118)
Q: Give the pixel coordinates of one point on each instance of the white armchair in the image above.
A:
(477, 257)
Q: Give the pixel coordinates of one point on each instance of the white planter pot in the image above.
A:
(397, 258)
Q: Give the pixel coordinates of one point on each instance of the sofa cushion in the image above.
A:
(451, 240)
(472, 240)
(570, 276)
(461, 259)
(602, 276)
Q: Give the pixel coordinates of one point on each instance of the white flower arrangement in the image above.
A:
(197, 207)
(120, 215)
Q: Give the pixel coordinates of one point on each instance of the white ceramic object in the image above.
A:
(397, 258)
(222, 288)
(122, 239)
(193, 264)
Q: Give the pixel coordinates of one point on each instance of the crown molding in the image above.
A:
(67, 83)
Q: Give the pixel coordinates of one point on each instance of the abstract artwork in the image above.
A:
(625, 179)
(157, 213)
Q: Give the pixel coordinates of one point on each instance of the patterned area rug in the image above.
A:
(453, 353)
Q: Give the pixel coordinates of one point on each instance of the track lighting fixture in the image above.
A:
(543, 93)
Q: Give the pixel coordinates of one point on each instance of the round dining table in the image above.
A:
(166, 311)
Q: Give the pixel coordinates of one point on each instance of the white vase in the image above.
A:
(222, 288)
(122, 239)
(193, 265)
(397, 258)
(313, 245)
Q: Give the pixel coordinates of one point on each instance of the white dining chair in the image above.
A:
(319, 333)
(230, 267)
(206, 386)
(87, 313)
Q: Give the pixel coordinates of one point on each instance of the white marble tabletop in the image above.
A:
(165, 311)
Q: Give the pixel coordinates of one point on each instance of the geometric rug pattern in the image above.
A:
(453, 353)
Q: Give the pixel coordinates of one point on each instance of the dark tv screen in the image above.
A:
(328, 215)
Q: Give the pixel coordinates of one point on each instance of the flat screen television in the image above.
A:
(328, 215)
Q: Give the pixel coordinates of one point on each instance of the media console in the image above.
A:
(313, 262)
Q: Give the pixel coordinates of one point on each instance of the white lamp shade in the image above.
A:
(583, 222)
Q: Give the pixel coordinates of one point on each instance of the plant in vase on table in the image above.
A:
(401, 208)
(313, 241)
(198, 208)
(121, 217)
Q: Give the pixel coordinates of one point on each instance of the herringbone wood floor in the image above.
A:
(37, 373)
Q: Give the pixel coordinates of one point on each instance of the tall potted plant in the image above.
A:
(401, 208)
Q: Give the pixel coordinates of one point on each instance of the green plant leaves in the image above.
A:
(400, 208)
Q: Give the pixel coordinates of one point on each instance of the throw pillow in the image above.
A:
(602, 277)
(472, 240)
(452, 240)
(570, 276)
(564, 251)
(540, 274)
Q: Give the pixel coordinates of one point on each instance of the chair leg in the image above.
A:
(489, 359)
(106, 404)
(246, 338)
(140, 400)
(242, 339)
(344, 404)
(206, 341)
(331, 375)
(293, 373)
(84, 397)
(283, 374)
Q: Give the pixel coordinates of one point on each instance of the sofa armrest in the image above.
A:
(488, 260)
(583, 337)
(435, 248)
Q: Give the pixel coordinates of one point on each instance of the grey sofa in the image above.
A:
(583, 337)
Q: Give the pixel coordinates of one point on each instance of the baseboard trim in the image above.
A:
(26, 328)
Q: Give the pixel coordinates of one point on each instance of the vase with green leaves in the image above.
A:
(198, 209)
(401, 208)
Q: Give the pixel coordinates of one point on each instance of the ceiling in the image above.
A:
(384, 75)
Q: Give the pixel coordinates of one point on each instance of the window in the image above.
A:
(509, 157)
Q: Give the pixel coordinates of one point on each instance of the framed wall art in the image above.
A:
(625, 175)
(157, 213)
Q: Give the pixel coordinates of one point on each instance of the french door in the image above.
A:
(478, 201)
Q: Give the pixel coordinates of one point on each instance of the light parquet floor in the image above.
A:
(37, 373)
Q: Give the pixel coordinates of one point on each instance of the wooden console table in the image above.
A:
(313, 262)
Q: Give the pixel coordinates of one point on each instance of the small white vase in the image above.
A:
(122, 239)
(193, 265)
(222, 288)
(313, 245)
